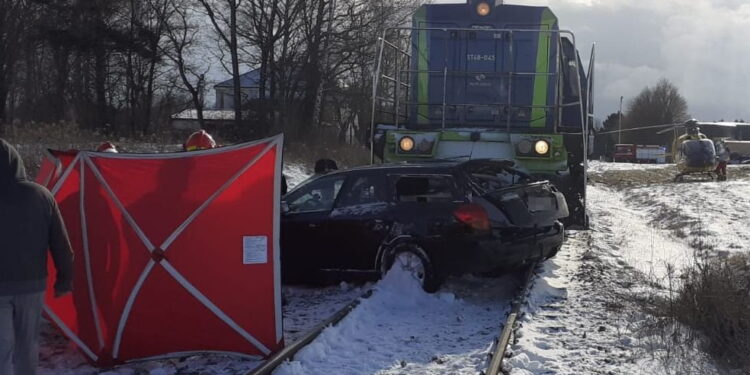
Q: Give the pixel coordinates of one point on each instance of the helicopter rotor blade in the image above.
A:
(671, 127)
(640, 128)
(677, 126)
(728, 124)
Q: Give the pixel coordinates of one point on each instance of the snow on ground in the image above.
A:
(304, 307)
(581, 317)
(600, 166)
(295, 174)
(651, 251)
(717, 214)
(401, 329)
(584, 314)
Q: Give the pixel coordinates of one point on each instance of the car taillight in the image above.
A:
(474, 216)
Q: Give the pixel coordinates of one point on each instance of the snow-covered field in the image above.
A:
(717, 213)
(582, 315)
(600, 166)
(581, 318)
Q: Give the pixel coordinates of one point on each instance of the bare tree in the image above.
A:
(223, 16)
(267, 22)
(314, 17)
(13, 22)
(357, 27)
(182, 36)
(140, 54)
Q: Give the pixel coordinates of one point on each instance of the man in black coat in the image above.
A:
(30, 225)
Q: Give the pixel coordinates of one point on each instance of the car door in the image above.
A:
(360, 221)
(304, 225)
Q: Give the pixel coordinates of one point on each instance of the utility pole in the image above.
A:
(619, 123)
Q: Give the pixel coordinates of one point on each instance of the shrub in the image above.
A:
(714, 300)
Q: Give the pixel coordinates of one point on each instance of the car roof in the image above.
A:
(426, 166)
(429, 166)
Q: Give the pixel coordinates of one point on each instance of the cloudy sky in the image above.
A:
(702, 46)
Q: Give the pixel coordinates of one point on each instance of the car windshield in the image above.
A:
(318, 195)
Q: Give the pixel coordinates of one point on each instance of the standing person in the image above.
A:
(723, 155)
(30, 224)
(324, 166)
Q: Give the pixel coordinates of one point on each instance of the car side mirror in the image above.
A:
(284, 207)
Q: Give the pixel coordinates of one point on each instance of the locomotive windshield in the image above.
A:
(511, 68)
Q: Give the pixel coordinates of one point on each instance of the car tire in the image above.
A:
(555, 250)
(415, 260)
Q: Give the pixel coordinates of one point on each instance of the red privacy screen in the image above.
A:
(54, 163)
(174, 252)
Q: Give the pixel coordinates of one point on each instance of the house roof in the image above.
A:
(208, 114)
(247, 80)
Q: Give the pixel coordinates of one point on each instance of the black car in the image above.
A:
(441, 218)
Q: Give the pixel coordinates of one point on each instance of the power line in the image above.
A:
(639, 128)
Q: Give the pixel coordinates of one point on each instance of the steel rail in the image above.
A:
(501, 344)
(289, 351)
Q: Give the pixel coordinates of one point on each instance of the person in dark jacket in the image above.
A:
(30, 225)
(323, 166)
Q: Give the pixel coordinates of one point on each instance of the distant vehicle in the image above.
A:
(651, 154)
(693, 153)
(440, 217)
(624, 153)
(739, 150)
(630, 153)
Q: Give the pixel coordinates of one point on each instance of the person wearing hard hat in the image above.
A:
(107, 147)
(199, 140)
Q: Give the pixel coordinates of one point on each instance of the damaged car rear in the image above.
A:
(434, 219)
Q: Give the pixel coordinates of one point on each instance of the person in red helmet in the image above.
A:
(199, 140)
(107, 147)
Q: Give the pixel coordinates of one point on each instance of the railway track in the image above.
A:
(497, 354)
(289, 351)
(495, 357)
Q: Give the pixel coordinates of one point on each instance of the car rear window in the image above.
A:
(424, 188)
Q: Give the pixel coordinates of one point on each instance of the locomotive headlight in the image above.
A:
(541, 147)
(483, 9)
(406, 144)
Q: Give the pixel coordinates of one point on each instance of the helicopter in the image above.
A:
(693, 153)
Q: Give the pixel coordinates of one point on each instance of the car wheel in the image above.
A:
(555, 251)
(414, 260)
